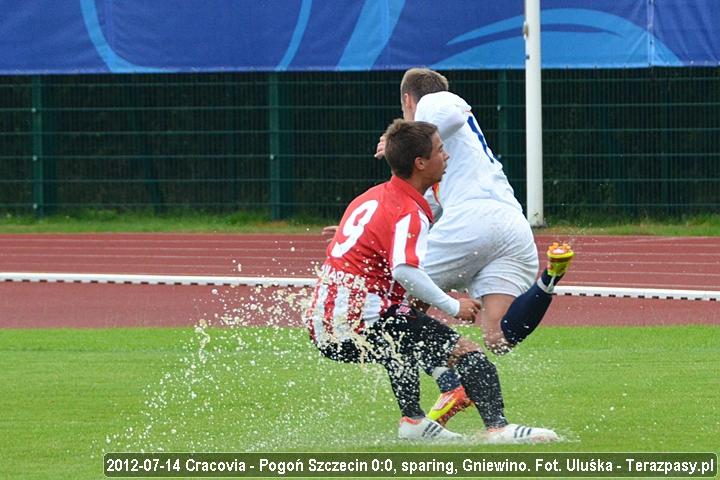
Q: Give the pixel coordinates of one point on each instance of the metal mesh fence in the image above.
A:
(617, 142)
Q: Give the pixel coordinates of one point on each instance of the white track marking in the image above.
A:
(575, 291)
(651, 293)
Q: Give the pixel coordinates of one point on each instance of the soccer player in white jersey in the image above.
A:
(481, 242)
(359, 310)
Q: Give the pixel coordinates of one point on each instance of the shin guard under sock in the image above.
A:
(480, 379)
(446, 378)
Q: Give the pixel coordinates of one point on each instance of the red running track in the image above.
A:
(641, 261)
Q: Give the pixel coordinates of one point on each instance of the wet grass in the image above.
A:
(71, 395)
(109, 221)
(696, 225)
(191, 221)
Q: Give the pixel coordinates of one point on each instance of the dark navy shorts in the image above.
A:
(402, 334)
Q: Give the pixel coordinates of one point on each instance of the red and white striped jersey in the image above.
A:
(382, 228)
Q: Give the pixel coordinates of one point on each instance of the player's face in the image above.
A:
(437, 162)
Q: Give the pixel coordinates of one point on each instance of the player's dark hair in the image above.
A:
(419, 82)
(405, 141)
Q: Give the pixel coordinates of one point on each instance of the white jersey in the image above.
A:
(482, 243)
(473, 172)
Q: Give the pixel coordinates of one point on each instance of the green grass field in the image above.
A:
(71, 395)
(95, 221)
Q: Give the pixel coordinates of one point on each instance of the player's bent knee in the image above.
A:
(462, 347)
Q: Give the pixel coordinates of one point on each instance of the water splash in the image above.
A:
(238, 386)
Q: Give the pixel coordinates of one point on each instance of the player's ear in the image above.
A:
(408, 107)
(419, 163)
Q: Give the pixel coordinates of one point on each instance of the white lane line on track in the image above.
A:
(577, 291)
(644, 286)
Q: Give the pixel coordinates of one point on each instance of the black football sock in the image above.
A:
(482, 384)
(525, 314)
(405, 382)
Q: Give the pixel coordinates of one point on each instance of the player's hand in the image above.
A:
(469, 307)
(380, 149)
(329, 232)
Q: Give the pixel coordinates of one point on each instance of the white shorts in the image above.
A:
(482, 248)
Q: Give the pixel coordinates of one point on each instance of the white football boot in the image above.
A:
(424, 429)
(515, 433)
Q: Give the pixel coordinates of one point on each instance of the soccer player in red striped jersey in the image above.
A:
(359, 310)
(482, 243)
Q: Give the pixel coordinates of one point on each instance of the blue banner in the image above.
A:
(91, 36)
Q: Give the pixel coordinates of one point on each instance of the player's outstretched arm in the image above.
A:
(420, 285)
(329, 231)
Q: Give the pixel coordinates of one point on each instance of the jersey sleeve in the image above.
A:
(447, 112)
(410, 240)
(417, 283)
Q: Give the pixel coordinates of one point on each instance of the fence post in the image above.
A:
(667, 207)
(274, 129)
(38, 168)
(136, 100)
(533, 115)
(503, 113)
(232, 142)
(280, 165)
